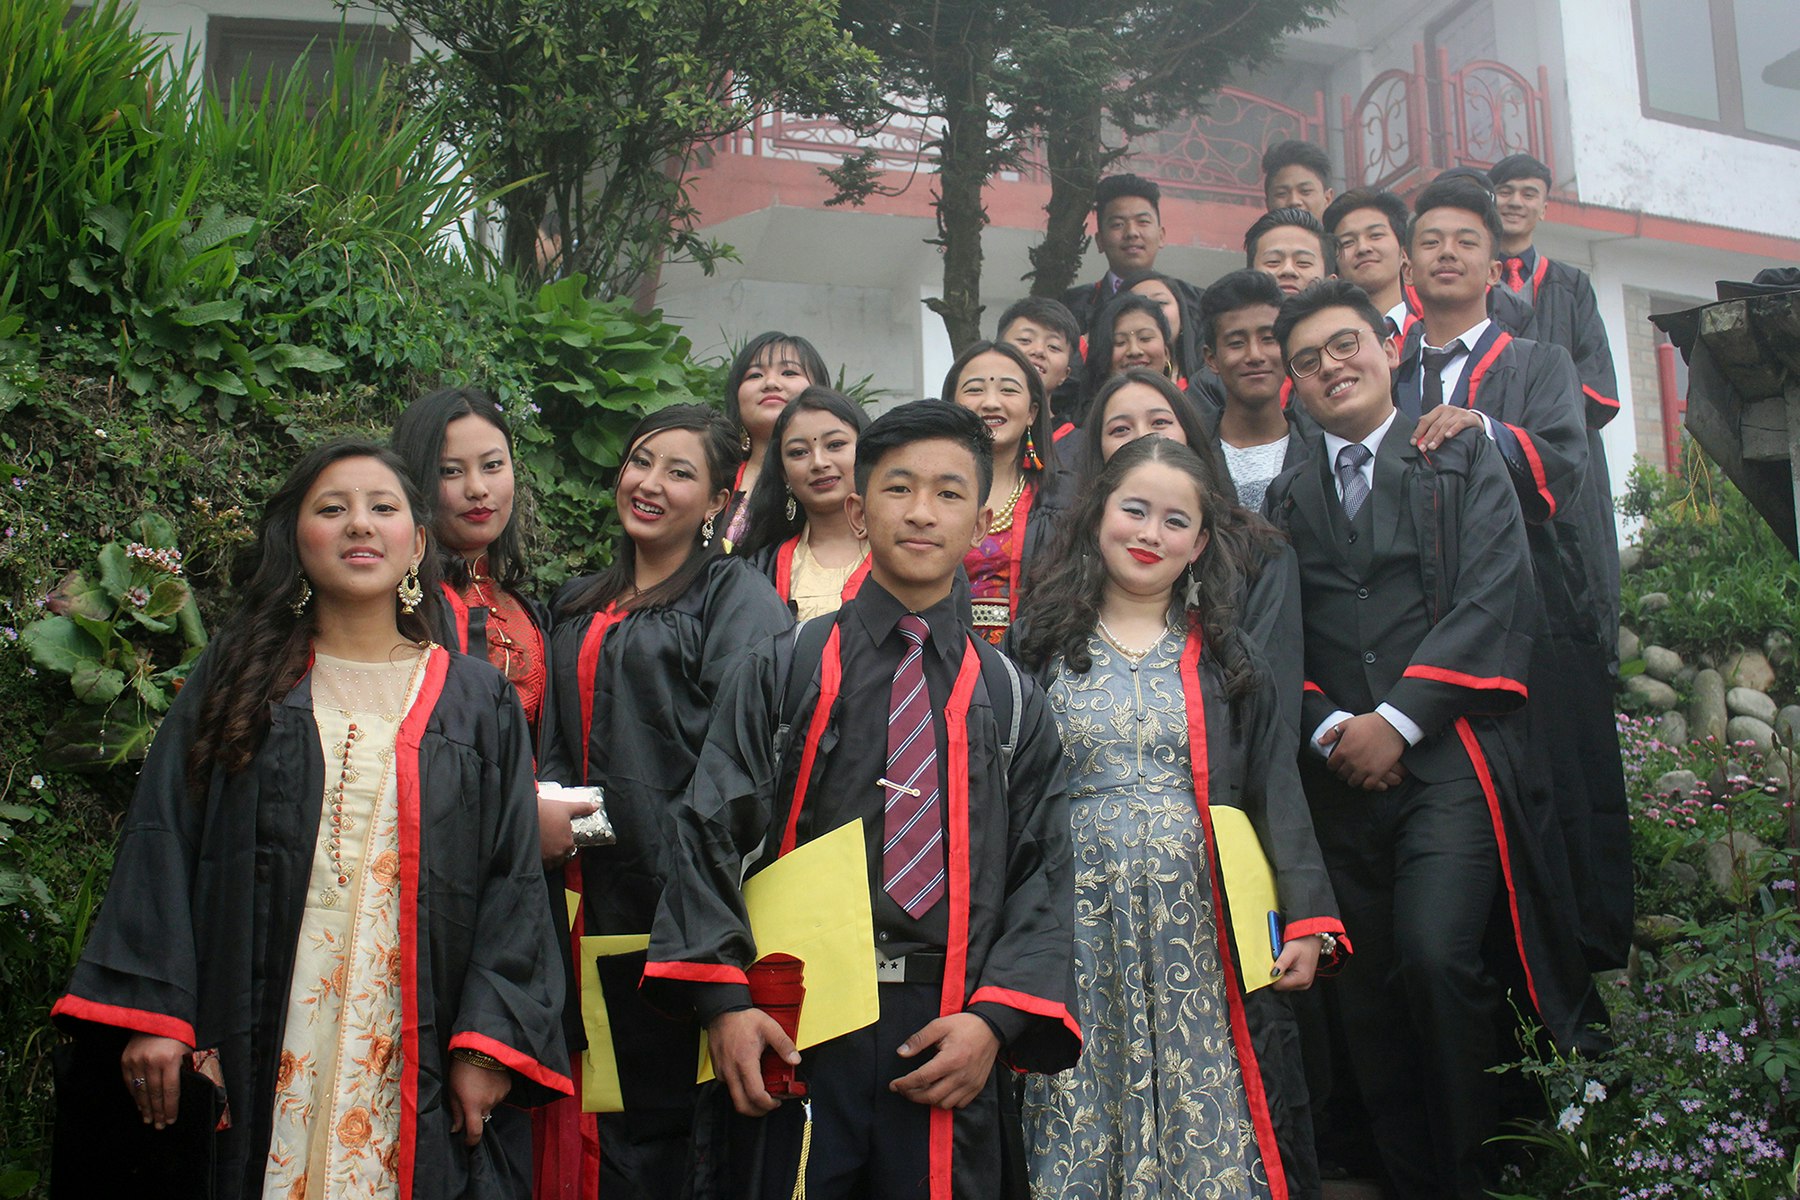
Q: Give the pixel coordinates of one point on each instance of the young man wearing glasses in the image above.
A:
(1418, 613)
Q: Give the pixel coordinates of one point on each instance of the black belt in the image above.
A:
(921, 966)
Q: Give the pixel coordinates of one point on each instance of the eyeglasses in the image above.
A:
(1341, 346)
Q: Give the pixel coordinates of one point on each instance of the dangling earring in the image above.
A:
(744, 442)
(792, 510)
(706, 532)
(305, 597)
(1032, 461)
(409, 591)
(1192, 596)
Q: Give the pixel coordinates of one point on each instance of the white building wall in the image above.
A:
(1626, 160)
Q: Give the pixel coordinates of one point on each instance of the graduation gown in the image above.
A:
(1563, 310)
(1010, 889)
(1531, 392)
(196, 939)
(1460, 675)
(635, 697)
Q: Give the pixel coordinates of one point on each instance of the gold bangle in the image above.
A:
(476, 1058)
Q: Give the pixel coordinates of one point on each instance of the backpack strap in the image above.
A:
(1012, 722)
(799, 653)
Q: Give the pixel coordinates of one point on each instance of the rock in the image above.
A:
(1630, 557)
(1671, 729)
(1778, 647)
(1680, 874)
(1641, 691)
(1749, 729)
(1776, 771)
(1629, 644)
(1743, 702)
(1706, 712)
(1661, 663)
(1656, 929)
(1787, 724)
(1684, 678)
(1671, 783)
(1725, 861)
(1653, 602)
(1709, 659)
(1749, 669)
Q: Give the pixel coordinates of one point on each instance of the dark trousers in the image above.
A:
(1417, 875)
(867, 1142)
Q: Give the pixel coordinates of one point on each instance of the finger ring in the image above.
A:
(138, 1082)
(486, 1117)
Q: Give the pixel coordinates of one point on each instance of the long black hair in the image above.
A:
(619, 580)
(768, 523)
(768, 345)
(1062, 607)
(1184, 345)
(418, 438)
(1099, 365)
(262, 651)
(1038, 428)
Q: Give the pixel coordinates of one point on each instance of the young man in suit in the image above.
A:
(1297, 175)
(1128, 229)
(1368, 229)
(1464, 371)
(1564, 310)
(1417, 609)
(966, 832)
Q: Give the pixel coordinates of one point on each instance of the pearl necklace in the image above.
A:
(1134, 655)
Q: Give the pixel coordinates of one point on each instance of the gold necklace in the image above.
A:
(1003, 519)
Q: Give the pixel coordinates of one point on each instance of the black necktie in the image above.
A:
(1433, 364)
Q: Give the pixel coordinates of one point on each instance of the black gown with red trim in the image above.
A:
(1532, 390)
(196, 939)
(1015, 890)
(1462, 680)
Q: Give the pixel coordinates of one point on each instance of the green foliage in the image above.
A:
(113, 636)
(595, 109)
(1705, 547)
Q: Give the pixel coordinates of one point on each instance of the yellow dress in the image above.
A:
(817, 589)
(337, 1091)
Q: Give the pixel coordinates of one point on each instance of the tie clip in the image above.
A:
(898, 787)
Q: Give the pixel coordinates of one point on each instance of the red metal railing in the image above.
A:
(1674, 406)
(1408, 125)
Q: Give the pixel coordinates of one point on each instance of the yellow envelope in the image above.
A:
(813, 903)
(1248, 883)
(600, 1091)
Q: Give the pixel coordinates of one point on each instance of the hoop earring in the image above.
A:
(744, 442)
(706, 532)
(1032, 461)
(409, 591)
(792, 510)
(305, 598)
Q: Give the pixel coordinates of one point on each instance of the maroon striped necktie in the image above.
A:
(912, 843)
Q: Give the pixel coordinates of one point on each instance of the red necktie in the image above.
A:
(912, 843)
(1515, 274)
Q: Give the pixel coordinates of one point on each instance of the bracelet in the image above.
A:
(1328, 944)
(476, 1058)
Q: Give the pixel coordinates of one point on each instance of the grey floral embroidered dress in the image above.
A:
(1155, 1109)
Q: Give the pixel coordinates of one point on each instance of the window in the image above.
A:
(236, 43)
(1732, 65)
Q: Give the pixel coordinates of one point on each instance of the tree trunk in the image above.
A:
(964, 160)
(1074, 158)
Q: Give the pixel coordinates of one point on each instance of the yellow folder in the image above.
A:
(1248, 883)
(813, 903)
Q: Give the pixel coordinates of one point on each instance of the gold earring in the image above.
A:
(744, 442)
(706, 532)
(409, 591)
(305, 597)
(792, 510)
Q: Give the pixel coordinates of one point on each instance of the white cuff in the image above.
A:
(1334, 719)
(1487, 427)
(1403, 724)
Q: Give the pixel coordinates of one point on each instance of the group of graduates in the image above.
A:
(1324, 548)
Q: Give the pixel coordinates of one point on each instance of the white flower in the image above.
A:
(99, 433)
(1595, 1091)
(1570, 1118)
(37, 783)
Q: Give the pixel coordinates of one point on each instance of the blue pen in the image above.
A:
(1275, 935)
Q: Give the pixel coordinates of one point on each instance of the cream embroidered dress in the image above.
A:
(815, 588)
(1155, 1108)
(337, 1090)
